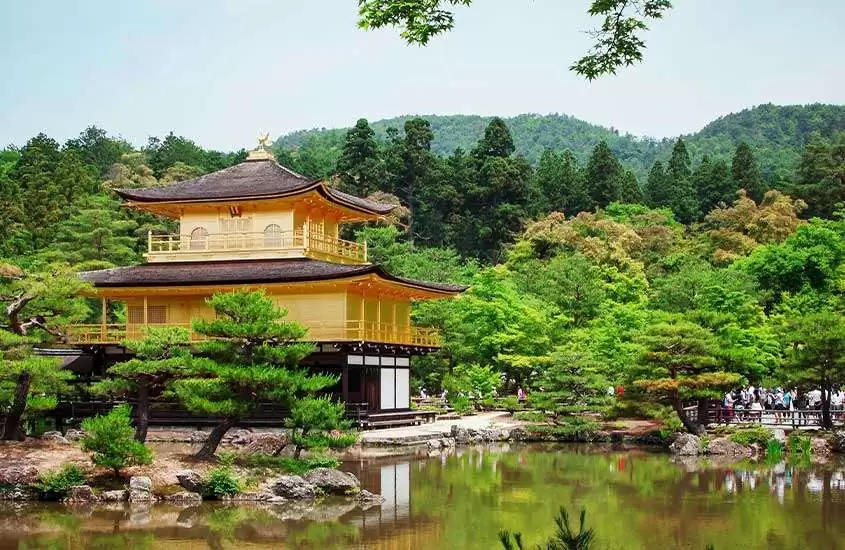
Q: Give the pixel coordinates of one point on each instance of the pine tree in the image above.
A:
(629, 187)
(572, 383)
(73, 178)
(162, 357)
(821, 175)
(681, 362)
(253, 357)
(35, 176)
(745, 173)
(560, 183)
(655, 191)
(360, 166)
(496, 142)
(417, 165)
(97, 235)
(713, 182)
(680, 194)
(603, 176)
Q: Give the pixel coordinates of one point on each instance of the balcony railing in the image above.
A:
(297, 243)
(350, 331)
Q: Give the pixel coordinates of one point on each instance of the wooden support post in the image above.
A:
(363, 326)
(146, 318)
(344, 381)
(104, 304)
(378, 316)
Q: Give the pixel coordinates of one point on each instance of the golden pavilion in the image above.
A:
(260, 225)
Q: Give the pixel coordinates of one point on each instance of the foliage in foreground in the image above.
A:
(221, 480)
(55, 484)
(110, 438)
(565, 537)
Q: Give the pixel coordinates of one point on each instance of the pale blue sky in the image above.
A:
(218, 71)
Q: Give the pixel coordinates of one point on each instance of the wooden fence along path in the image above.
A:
(799, 418)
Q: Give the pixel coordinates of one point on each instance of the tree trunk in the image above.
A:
(13, 429)
(827, 421)
(702, 414)
(679, 410)
(142, 413)
(214, 438)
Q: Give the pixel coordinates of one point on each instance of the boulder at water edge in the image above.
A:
(333, 482)
(118, 495)
(18, 475)
(140, 489)
(189, 480)
(837, 442)
(293, 487)
(686, 445)
(184, 497)
(723, 446)
(81, 493)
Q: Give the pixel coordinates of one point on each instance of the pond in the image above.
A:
(635, 500)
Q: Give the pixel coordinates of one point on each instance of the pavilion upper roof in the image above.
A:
(252, 179)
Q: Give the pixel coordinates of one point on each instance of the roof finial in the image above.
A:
(261, 152)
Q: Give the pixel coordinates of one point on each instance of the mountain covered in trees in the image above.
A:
(776, 133)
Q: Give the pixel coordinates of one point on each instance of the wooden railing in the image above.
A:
(769, 417)
(350, 331)
(299, 242)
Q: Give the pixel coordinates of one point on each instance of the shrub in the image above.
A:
(110, 439)
(461, 405)
(774, 450)
(749, 436)
(574, 428)
(55, 484)
(800, 445)
(531, 416)
(221, 480)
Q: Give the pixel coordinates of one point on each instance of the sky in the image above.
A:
(220, 71)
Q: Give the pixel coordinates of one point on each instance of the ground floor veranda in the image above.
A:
(374, 381)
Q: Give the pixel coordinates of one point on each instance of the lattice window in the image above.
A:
(272, 236)
(199, 239)
(156, 315)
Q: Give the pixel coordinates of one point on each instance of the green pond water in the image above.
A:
(634, 500)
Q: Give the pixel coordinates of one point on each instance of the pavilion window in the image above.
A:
(156, 315)
(199, 239)
(235, 231)
(272, 236)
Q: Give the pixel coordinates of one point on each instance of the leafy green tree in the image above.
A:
(180, 171)
(252, 357)
(440, 200)
(162, 154)
(572, 383)
(618, 41)
(97, 149)
(318, 423)
(162, 357)
(820, 179)
(96, 236)
(680, 363)
(360, 165)
(629, 188)
(109, 439)
(815, 354)
(745, 173)
(603, 175)
(496, 142)
(560, 182)
(35, 306)
(417, 163)
(680, 195)
(473, 380)
(73, 178)
(655, 192)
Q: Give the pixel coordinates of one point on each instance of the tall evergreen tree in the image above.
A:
(821, 175)
(629, 187)
(417, 165)
(712, 180)
(35, 175)
(73, 178)
(745, 173)
(680, 194)
(560, 183)
(603, 175)
(360, 166)
(655, 189)
(496, 142)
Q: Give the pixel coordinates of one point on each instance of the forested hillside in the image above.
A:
(776, 133)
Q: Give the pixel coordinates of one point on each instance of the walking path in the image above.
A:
(410, 435)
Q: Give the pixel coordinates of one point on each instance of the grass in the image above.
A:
(749, 436)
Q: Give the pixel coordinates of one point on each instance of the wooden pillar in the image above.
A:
(344, 383)
(146, 319)
(378, 316)
(363, 317)
(104, 304)
(395, 326)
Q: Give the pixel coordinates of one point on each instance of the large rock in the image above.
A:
(140, 489)
(837, 442)
(55, 437)
(779, 435)
(293, 487)
(118, 495)
(253, 496)
(333, 482)
(184, 497)
(190, 480)
(722, 446)
(238, 436)
(820, 449)
(18, 475)
(81, 493)
(366, 497)
(686, 445)
(266, 443)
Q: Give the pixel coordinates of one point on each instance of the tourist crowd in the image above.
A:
(751, 400)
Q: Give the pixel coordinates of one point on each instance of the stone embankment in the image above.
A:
(689, 445)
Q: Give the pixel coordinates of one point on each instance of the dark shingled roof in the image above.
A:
(249, 179)
(244, 272)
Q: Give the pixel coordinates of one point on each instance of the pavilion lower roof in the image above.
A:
(251, 180)
(240, 272)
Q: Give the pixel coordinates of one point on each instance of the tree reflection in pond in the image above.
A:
(635, 500)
